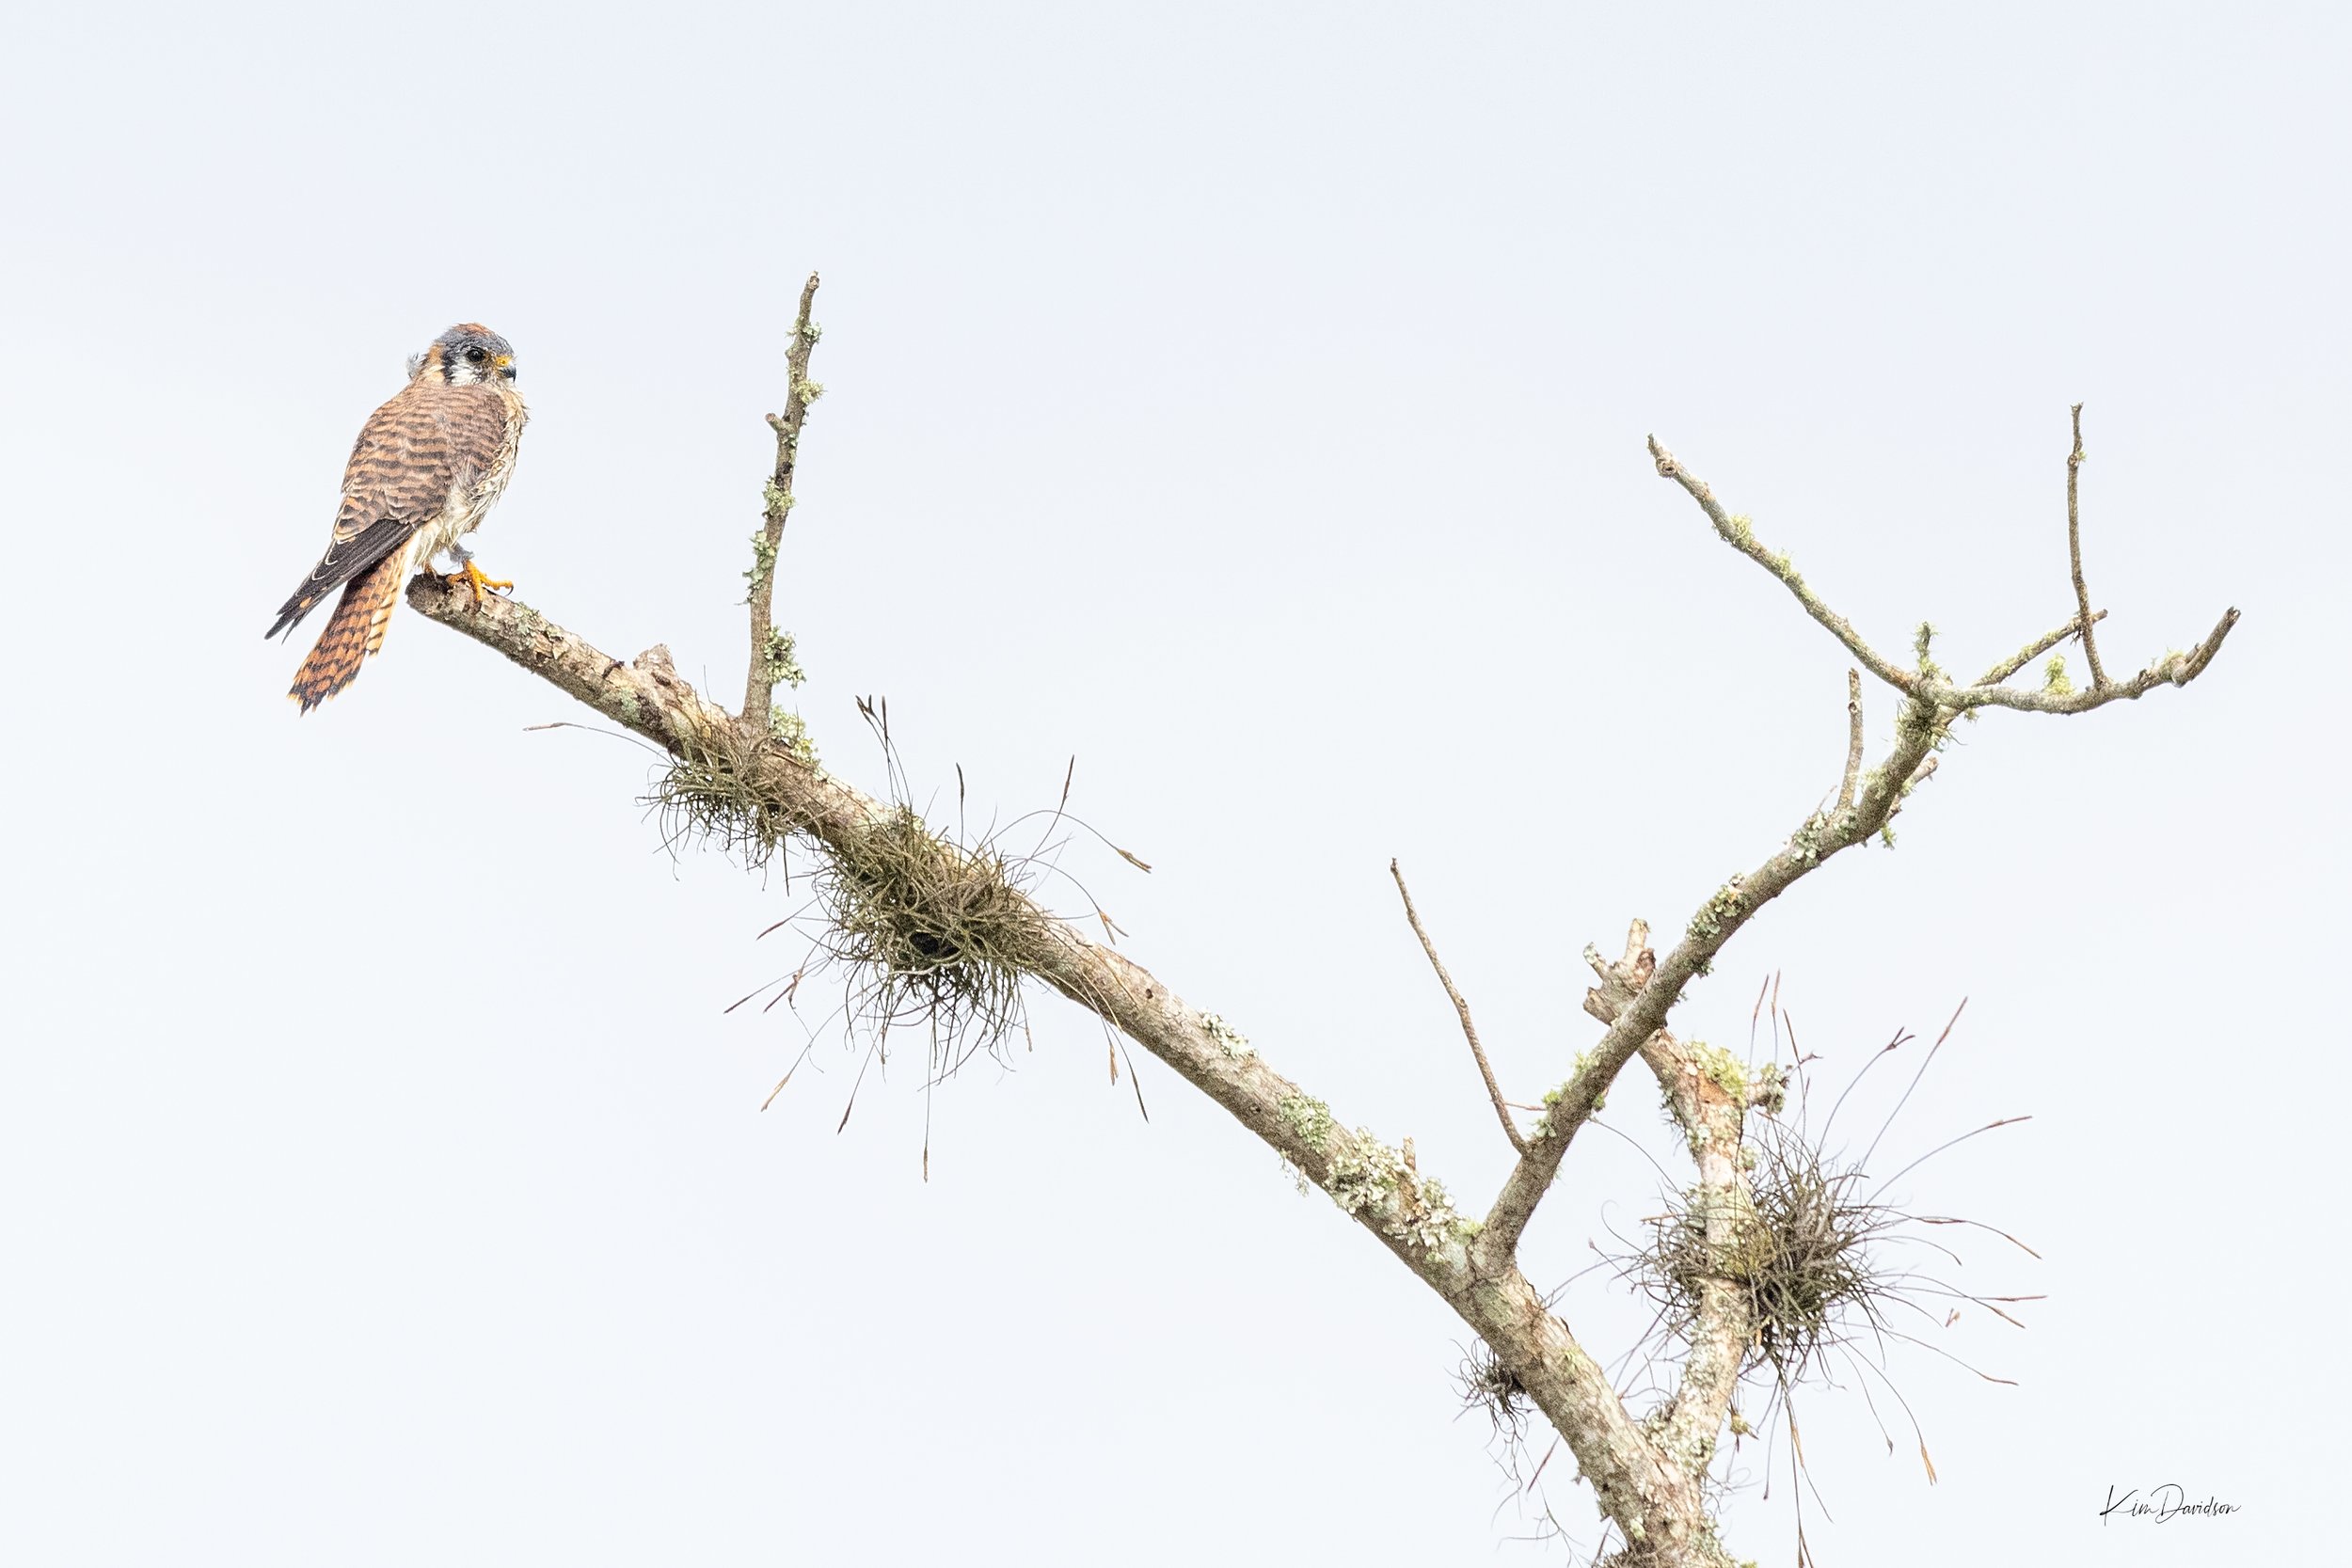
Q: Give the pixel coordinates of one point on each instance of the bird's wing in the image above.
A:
(355, 631)
(410, 455)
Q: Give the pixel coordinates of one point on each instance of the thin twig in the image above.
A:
(1469, 1030)
(759, 687)
(2075, 552)
(2034, 650)
(2174, 669)
(1854, 745)
(1740, 535)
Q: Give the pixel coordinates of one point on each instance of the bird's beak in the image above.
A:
(505, 363)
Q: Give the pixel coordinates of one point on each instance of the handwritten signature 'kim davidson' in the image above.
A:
(2163, 1504)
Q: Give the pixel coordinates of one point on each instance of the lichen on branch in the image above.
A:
(777, 501)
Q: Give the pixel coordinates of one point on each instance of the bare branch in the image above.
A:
(2173, 668)
(1854, 739)
(2075, 555)
(1821, 836)
(1740, 535)
(2033, 650)
(771, 657)
(1469, 1030)
(1933, 701)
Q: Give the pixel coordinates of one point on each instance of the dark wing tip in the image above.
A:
(290, 614)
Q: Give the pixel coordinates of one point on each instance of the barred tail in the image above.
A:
(353, 633)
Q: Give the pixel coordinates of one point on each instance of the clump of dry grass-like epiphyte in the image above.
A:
(1830, 1276)
(1801, 1255)
(710, 792)
(1485, 1383)
(920, 927)
(924, 930)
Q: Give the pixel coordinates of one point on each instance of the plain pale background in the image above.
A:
(1248, 400)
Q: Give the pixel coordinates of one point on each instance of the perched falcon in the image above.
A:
(426, 469)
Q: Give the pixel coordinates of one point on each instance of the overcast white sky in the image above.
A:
(1247, 400)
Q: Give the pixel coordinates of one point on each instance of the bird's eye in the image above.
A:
(477, 355)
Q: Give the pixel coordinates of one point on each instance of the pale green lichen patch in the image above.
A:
(2053, 677)
(1309, 1117)
(1923, 644)
(792, 730)
(1367, 1174)
(763, 561)
(1722, 1069)
(809, 391)
(779, 500)
(1693, 1451)
(779, 660)
(1433, 1222)
(1728, 905)
(1585, 1063)
(1229, 1039)
(1806, 842)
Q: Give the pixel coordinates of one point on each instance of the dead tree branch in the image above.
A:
(1815, 840)
(1649, 1478)
(771, 650)
(1409, 1213)
(1854, 739)
(1740, 535)
(2173, 668)
(1469, 1030)
(2033, 650)
(2075, 554)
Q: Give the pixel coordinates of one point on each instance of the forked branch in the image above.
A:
(2034, 650)
(1932, 702)
(2173, 668)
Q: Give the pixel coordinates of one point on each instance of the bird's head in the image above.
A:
(466, 355)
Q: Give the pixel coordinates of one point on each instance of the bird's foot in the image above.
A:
(473, 577)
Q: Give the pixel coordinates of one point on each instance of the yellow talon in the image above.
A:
(473, 577)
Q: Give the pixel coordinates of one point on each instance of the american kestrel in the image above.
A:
(426, 469)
